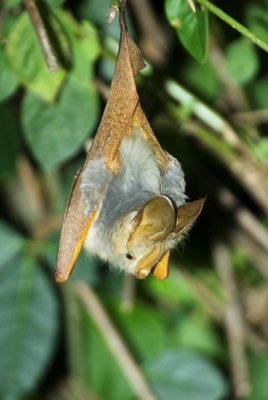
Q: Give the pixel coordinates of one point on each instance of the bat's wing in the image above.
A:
(116, 123)
(74, 230)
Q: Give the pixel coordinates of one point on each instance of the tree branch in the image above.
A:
(41, 33)
(233, 321)
(127, 364)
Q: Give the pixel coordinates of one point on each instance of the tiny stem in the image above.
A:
(234, 24)
(116, 6)
(41, 33)
(73, 334)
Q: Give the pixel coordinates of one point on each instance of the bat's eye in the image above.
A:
(130, 256)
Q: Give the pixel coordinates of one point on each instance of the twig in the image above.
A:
(212, 303)
(114, 342)
(41, 33)
(256, 343)
(232, 95)
(25, 198)
(103, 88)
(73, 334)
(234, 24)
(233, 321)
(254, 252)
(244, 217)
(252, 176)
(252, 116)
(154, 41)
(233, 92)
(192, 5)
(128, 293)
(203, 112)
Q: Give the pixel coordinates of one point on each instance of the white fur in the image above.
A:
(138, 163)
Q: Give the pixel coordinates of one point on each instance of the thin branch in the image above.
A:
(128, 292)
(127, 364)
(25, 198)
(244, 217)
(153, 40)
(211, 302)
(192, 5)
(234, 95)
(204, 113)
(252, 116)
(253, 251)
(234, 24)
(245, 169)
(42, 34)
(234, 322)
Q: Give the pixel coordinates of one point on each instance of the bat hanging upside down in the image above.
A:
(128, 203)
(142, 214)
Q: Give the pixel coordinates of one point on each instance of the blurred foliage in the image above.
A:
(205, 91)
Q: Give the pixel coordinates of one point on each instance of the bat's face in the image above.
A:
(139, 242)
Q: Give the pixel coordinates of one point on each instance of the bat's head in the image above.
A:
(141, 241)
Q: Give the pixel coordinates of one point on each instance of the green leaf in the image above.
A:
(11, 242)
(260, 92)
(257, 19)
(9, 142)
(194, 332)
(29, 324)
(85, 46)
(56, 132)
(202, 79)
(191, 27)
(54, 3)
(145, 340)
(26, 60)
(261, 149)
(242, 61)
(84, 35)
(258, 373)
(8, 80)
(171, 292)
(11, 3)
(101, 367)
(184, 375)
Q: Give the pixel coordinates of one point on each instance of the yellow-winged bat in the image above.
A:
(128, 203)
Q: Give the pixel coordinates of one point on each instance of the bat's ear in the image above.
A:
(154, 222)
(187, 214)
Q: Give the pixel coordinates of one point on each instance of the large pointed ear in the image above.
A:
(154, 222)
(187, 214)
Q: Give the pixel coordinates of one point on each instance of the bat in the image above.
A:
(127, 204)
